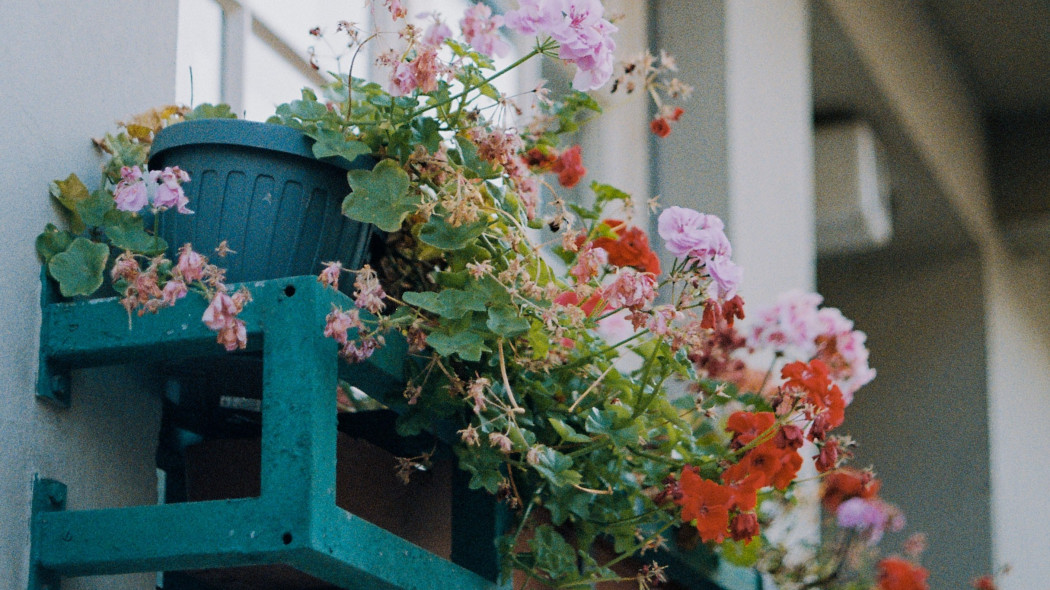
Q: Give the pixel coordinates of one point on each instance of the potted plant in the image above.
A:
(546, 332)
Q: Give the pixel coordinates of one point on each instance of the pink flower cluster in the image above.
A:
(160, 188)
(797, 328)
(700, 238)
(870, 517)
(221, 316)
(481, 30)
(583, 35)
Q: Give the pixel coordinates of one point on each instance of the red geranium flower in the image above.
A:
(706, 502)
(775, 466)
(896, 573)
(569, 167)
(540, 158)
(660, 127)
(823, 394)
(630, 248)
(847, 483)
(748, 425)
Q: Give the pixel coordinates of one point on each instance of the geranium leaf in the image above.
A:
(332, 143)
(380, 196)
(556, 467)
(52, 241)
(553, 554)
(467, 344)
(438, 233)
(210, 111)
(568, 433)
(69, 192)
(504, 320)
(93, 210)
(79, 268)
(126, 231)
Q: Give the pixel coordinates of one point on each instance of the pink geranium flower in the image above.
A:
(481, 30)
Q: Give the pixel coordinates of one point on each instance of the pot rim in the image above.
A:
(252, 134)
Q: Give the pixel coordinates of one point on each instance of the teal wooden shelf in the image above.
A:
(294, 521)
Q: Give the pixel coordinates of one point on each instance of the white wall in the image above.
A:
(72, 69)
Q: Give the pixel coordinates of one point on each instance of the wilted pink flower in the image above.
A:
(362, 350)
(190, 264)
(233, 335)
(169, 193)
(131, 193)
(368, 292)
(501, 441)
(173, 291)
(481, 30)
(402, 79)
(630, 289)
(220, 312)
(125, 267)
(588, 263)
(329, 277)
(338, 322)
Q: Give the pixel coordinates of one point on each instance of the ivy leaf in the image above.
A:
(568, 433)
(52, 241)
(69, 192)
(504, 320)
(93, 210)
(126, 232)
(557, 468)
(329, 142)
(440, 234)
(78, 270)
(380, 196)
(467, 344)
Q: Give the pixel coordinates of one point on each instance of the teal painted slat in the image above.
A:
(151, 538)
(48, 496)
(354, 553)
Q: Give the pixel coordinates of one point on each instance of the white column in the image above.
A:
(744, 151)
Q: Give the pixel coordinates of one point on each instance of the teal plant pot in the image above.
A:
(258, 187)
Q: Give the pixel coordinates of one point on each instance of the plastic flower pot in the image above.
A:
(258, 187)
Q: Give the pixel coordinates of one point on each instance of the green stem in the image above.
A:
(640, 407)
(536, 51)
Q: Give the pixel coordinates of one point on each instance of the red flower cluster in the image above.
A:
(629, 248)
(661, 126)
(845, 484)
(823, 403)
(710, 505)
(774, 462)
(569, 167)
(896, 573)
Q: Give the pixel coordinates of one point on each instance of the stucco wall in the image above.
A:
(76, 68)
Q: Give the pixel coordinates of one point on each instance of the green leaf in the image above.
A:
(568, 433)
(93, 210)
(79, 269)
(329, 142)
(210, 111)
(69, 192)
(504, 321)
(553, 554)
(125, 231)
(52, 241)
(439, 234)
(467, 155)
(605, 193)
(449, 303)
(380, 196)
(427, 132)
(467, 344)
(615, 422)
(738, 553)
(556, 467)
